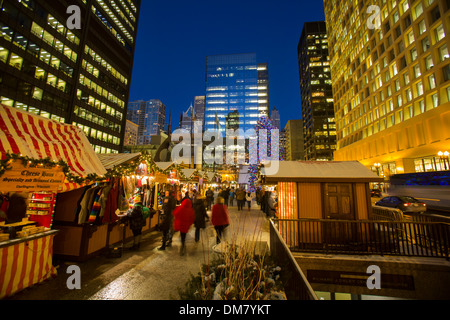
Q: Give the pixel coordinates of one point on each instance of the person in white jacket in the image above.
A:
(249, 199)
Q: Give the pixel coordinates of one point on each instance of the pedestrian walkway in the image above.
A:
(150, 274)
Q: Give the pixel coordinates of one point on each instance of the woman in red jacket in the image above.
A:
(220, 217)
(184, 217)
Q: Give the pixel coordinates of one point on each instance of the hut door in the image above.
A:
(339, 201)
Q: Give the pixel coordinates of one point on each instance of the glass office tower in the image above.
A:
(150, 116)
(80, 76)
(232, 87)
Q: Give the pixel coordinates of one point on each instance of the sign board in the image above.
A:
(160, 178)
(22, 179)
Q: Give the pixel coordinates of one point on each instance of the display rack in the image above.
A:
(41, 208)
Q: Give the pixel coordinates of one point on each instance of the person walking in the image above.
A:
(232, 195)
(137, 216)
(209, 198)
(184, 217)
(166, 218)
(220, 218)
(200, 216)
(249, 200)
(262, 199)
(272, 205)
(240, 197)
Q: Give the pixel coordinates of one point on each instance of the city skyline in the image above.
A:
(171, 58)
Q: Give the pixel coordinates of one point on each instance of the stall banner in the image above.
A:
(160, 178)
(25, 264)
(22, 179)
(37, 137)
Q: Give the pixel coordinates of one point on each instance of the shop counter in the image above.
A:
(81, 242)
(25, 262)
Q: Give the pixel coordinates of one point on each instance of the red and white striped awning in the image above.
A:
(39, 138)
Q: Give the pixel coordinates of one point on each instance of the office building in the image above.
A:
(275, 118)
(283, 155)
(131, 134)
(150, 116)
(199, 109)
(186, 122)
(193, 119)
(294, 141)
(79, 76)
(316, 93)
(235, 83)
(391, 83)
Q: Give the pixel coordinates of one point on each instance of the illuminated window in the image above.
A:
(37, 93)
(16, 61)
(3, 54)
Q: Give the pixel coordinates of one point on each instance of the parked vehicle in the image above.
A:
(376, 193)
(404, 203)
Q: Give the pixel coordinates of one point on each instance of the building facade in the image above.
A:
(294, 141)
(79, 76)
(391, 83)
(150, 116)
(199, 109)
(316, 93)
(235, 83)
(275, 118)
(131, 134)
(186, 122)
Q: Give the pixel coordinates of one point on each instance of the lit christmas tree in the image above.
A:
(264, 149)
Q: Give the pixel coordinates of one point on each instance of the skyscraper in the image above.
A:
(316, 91)
(294, 140)
(199, 109)
(391, 82)
(150, 116)
(80, 76)
(275, 118)
(186, 122)
(238, 83)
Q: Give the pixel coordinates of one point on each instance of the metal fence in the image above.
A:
(399, 238)
(296, 285)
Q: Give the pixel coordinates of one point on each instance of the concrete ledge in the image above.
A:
(401, 277)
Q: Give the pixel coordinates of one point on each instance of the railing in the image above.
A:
(377, 237)
(296, 285)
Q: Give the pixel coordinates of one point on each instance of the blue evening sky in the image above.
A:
(175, 36)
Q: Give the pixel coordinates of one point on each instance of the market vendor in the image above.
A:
(17, 208)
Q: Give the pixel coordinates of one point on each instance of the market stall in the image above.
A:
(146, 178)
(39, 157)
(321, 190)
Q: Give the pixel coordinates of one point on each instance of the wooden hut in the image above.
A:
(322, 190)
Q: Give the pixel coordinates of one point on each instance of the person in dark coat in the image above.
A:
(184, 217)
(166, 219)
(200, 216)
(220, 218)
(138, 219)
(209, 198)
(240, 197)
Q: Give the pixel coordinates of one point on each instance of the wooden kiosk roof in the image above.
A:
(320, 171)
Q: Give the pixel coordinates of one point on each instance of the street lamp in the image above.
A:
(378, 166)
(444, 156)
